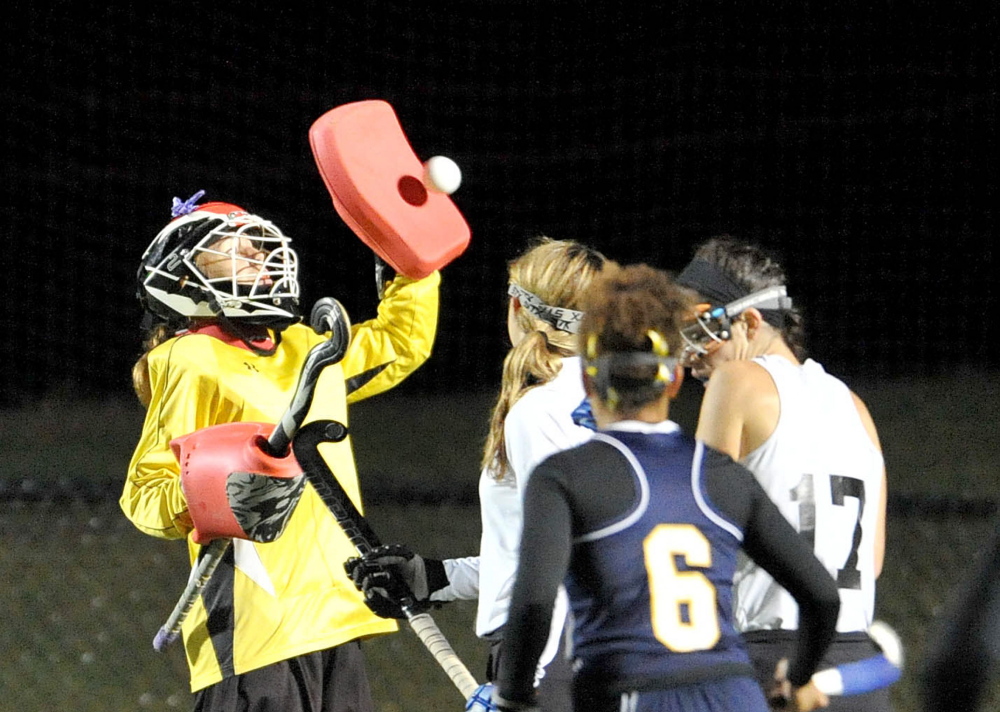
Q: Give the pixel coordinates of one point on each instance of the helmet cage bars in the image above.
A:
(220, 259)
(712, 325)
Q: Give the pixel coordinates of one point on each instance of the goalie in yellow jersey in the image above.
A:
(278, 623)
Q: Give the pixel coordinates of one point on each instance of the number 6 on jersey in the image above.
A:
(683, 602)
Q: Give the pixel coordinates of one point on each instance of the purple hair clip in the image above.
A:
(187, 206)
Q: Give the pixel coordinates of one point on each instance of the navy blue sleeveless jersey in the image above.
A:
(643, 524)
(651, 592)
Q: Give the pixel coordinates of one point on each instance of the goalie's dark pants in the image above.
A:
(331, 680)
(767, 647)
(555, 690)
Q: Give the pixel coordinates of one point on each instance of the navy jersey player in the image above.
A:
(643, 525)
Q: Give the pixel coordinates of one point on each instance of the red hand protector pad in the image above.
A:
(375, 180)
(210, 457)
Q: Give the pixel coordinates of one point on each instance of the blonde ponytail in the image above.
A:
(140, 371)
(558, 272)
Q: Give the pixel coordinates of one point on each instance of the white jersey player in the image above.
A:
(807, 438)
(825, 474)
(538, 412)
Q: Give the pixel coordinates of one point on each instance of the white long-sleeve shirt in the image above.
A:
(538, 425)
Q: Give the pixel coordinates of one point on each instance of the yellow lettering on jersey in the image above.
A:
(683, 603)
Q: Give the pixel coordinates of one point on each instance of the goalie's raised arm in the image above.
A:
(388, 348)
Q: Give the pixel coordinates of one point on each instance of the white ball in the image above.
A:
(442, 174)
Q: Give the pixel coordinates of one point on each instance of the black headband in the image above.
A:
(720, 289)
(711, 282)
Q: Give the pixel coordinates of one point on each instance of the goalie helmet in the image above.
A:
(218, 259)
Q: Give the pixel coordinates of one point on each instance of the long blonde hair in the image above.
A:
(558, 272)
(140, 370)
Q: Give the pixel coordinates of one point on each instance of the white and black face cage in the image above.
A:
(171, 283)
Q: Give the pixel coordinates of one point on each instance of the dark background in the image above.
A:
(857, 140)
(860, 142)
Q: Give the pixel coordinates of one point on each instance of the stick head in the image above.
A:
(163, 639)
(376, 183)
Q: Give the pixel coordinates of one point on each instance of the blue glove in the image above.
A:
(482, 699)
(584, 415)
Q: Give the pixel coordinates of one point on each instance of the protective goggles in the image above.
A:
(712, 325)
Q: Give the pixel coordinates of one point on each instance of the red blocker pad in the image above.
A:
(375, 180)
(234, 489)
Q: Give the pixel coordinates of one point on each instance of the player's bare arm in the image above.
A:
(869, 424)
(740, 408)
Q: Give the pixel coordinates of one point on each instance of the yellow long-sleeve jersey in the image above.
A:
(270, 602)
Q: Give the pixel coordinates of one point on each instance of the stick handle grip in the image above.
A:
(200, 575)
(433, 639)
(871, 673)
(364, 539)
(858, 677)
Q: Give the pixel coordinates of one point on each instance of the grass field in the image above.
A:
(86, 591)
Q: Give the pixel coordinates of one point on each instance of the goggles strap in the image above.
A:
(770, 299)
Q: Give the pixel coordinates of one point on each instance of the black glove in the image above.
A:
(503, 705)
(383, 275)
(393, 577)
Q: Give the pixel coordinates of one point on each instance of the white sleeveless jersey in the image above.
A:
(822, 470)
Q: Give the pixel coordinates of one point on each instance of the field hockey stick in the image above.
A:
(869, 674)
(209, 560)
(364, 539)
(327, 315)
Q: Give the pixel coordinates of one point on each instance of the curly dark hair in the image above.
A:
(624, 305)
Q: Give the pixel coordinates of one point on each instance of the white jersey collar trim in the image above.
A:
(639, 426)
